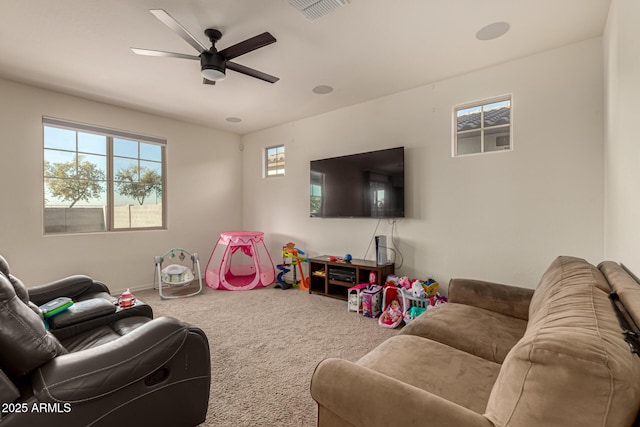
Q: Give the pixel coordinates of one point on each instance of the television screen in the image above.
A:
(369, 185)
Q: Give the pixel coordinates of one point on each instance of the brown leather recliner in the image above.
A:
(130, 370)
(94, 306)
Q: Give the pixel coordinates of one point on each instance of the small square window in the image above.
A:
(274, 161)
(482, 127)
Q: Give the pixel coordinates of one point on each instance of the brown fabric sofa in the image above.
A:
(499, 355)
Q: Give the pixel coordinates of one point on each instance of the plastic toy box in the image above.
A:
(372, 301)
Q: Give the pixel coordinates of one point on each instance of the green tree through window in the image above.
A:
(74, 181)
(138, 182)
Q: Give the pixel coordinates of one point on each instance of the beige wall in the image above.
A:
(203, 189)
(622, 144)
(501, 216)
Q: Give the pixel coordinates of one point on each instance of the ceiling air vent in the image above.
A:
(314, 9)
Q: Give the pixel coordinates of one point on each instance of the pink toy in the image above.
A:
(404, 282)
(255, 270)
(392, 314)
(393, 303)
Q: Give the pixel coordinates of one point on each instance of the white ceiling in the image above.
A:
(364, 50)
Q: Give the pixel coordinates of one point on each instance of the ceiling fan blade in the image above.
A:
(150, 52)
(208, 82)
(168, 20)
(251, 72)
(247, 46)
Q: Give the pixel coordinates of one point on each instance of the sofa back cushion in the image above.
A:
(572, 366)
(24, 341)
(563, 273)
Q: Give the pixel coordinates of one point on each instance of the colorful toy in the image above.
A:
(390, 291)
(55, 306)
(431, 287)
(404, 282)
(412, 313)
(392, 279)
(392, 314)
(394, 304)
(354, 297)
(346, 258)
(373, 279)
(371, 301)
(417, 289)
(255, 270)
(291, 257)
(415, 297)
(437, 299)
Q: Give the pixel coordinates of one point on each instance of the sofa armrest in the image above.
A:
(364, 397)
(104, 369)
(505, 299)
(72, 287)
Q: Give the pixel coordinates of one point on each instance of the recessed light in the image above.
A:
(492, 31)
(234, 119)
(322, 89)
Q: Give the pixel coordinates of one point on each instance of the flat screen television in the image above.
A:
(364, 185)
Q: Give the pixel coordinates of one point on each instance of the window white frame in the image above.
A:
(474, 133)
(274, 161)
(112, 152)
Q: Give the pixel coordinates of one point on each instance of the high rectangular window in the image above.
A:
(482, 127)
(98, 179)
(274, 161)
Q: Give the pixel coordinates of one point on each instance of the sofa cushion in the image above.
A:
(572, 366)
(481, 332)
(512, 301)
(562, 272)
(429, 365)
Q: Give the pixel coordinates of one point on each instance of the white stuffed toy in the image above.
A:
(417, 290)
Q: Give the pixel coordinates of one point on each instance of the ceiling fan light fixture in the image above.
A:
(212, 66)
(213, 74)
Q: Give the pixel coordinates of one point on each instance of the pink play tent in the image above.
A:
(240, 261)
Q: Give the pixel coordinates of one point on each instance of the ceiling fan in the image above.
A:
(213, 63)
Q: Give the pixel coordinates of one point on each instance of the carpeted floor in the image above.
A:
(265, 344)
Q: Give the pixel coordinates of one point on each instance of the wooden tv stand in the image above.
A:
(323, 274)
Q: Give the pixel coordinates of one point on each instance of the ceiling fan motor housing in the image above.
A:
(212, 66)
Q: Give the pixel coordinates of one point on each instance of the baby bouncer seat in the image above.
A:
(177, 274)
(253, 271)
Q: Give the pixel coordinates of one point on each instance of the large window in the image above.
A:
(274, 161)
(98, 179)
(482, 127)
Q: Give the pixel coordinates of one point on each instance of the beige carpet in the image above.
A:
(265, 344)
